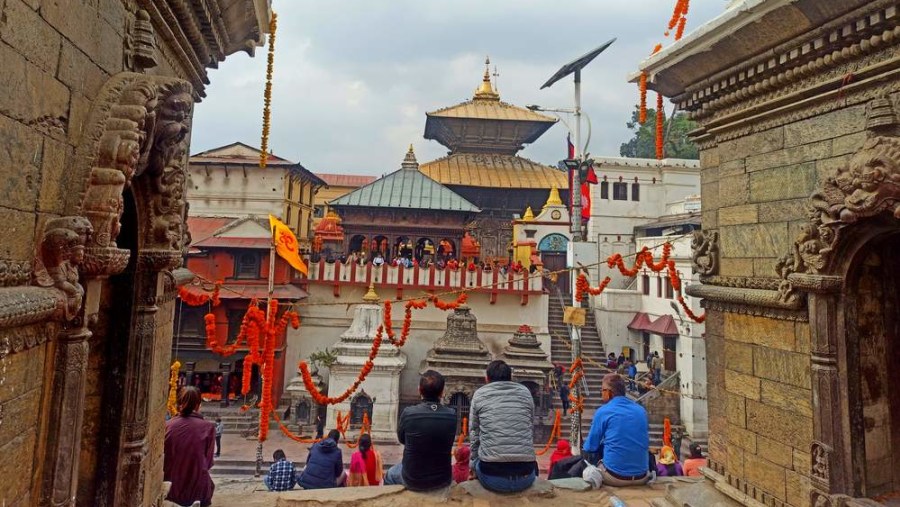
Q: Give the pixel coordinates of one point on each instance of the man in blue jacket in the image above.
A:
(619, 436)
(324, 464)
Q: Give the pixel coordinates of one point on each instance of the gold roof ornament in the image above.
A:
(553, 199)
(529, 215)
(409, 161)
(486, 90)
(371, 296)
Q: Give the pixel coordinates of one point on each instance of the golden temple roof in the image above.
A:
(553, 199)
(529, 215)
(495, 171)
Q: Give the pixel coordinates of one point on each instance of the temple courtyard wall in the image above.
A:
(325, 318)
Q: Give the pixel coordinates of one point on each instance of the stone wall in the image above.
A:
(786, 123)
(59, 59)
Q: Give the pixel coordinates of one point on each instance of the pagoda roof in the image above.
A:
(406, 188)
(485, 123)
(493, 170)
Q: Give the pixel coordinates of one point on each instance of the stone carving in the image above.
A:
(821, 467)
(867, 186)
(459, 354)
(61, 252)
(139, 42)
(14, 273)
(705, 252)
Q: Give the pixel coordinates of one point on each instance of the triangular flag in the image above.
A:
(286, 245)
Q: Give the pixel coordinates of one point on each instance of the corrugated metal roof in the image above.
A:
(219, 242)
(406, 188)
(491, 110)
(497, 171)
(346, 180)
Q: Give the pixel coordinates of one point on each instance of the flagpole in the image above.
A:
(262, 379)
(575, 430)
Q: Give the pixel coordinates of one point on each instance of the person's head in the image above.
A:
(335, 435)
(365, 443)
(218, 419)
(656, 354)
(696, 451)
(613, 385)
(612, 355)
(462, 454)
(498, 371)
(666, 456)
(563, 446)
(278, 455)
(189, 401)
(431, 385)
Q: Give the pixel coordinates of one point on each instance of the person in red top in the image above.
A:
(461, 467)
(472, 266)
(189, 446)
(563, 450)
(366, 468)
(695, 461)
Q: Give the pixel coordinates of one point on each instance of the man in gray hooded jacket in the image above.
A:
(500, 431)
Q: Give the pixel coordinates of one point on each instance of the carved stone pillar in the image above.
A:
(226, 381)
(65, 419)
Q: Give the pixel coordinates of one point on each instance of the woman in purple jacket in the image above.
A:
(190, 443)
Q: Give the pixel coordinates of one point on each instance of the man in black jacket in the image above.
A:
(426, 431)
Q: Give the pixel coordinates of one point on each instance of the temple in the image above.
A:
(483, 136)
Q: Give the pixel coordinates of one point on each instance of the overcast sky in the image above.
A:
(354, 78)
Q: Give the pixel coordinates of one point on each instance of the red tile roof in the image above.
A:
(259, 291)
(204, 227)
(346, 180)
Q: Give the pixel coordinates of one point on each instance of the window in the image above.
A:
(192, 323)
(604, 190)
(319, 212)
(235, 317)
(645, 280)
(669, 292)
(659, 284)
(246, 265)
(620, 191)
(635, 191)
(288, 217)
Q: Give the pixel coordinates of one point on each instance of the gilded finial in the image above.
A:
(486, 90)
(529, 215)
(553, 199)
(409, 161)
(371, 296)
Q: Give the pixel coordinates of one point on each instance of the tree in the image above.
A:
(676, 145)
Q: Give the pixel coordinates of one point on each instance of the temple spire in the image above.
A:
(553, 199)
(529, 215)
(409, 161)
(486, 90)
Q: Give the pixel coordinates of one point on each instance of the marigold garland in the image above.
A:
(288, 433)
(172, 402)
(462, 434)
(191, 299)
(267, 94)
(642, 110)
(555, 432)
(460, 300)
(660, 120)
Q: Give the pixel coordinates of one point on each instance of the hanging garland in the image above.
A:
(288, 433)
(660, 120)
(172, 402)
(678, 21)
(191, 299)
(642, 111)
(555, 433)
(460, 300)
(462, 434)
(267, 94)
(577, 370)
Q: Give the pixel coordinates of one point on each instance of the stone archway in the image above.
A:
(839, 263)
(131, 157)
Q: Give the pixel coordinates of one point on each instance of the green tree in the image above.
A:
(676, 144)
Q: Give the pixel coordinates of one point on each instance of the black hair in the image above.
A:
(696, 450)
(278, 455)
(365, 443)
(334, 435)
(615, 383)
(498, 371)
(431, 385)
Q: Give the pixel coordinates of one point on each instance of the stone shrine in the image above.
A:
(303, 408)
(528, 361)
(379, 395)
(461, 357)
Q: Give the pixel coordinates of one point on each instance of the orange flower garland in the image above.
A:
(462, 434)
(582, 286)
(191, 299)
(288, 433)
(642, 111)
(555, 432)
(660, 120)
(172, 402)
(460, 300)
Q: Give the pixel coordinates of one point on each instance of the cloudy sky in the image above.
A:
(354, 78)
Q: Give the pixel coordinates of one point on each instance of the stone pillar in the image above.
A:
(226, 378)
(65, 418)
(189, 373)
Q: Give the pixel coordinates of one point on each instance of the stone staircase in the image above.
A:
(560, 353)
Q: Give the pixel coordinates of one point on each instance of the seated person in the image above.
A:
(620, 426)
(461, 466)
(563, 450)
(501, 419)
(427, 431)
(324, 464)
(281, 474)
(378, 260)
(667, 464)
(695, 461)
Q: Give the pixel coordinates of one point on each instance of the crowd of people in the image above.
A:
(500, 454)
(450, 262)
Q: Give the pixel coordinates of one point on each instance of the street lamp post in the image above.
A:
(574, 67)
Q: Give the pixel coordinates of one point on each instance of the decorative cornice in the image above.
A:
(760, 302)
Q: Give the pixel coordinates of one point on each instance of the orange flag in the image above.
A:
(286, 244)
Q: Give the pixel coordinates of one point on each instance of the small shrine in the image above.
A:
(303, 407)
(379, 395)
(328, 237)
(524, 355)
(461, 357)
